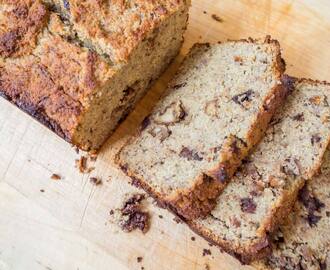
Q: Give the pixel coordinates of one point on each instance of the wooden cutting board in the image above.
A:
(68, 226)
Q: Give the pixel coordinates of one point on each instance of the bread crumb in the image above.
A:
(139, 259)
(42, 190)
(160, 216)
(55, 177)
(93, 157)
(206, 252)
(96, 181)
(217, 18)
(81, 164)
(207, 267)
(193, 238)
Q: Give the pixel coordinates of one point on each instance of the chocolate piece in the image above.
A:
(299, 117)
(248, 205)
(190, 154)
(244, 98)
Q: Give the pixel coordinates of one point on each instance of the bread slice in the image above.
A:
(265, 187)
(215, 110)
(58, 73)
(304, 241)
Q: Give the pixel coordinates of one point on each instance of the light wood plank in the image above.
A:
(68, 226)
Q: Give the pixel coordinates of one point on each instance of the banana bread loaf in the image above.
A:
(265, 187)
(80, 71)
(304, 241)
(215, 110)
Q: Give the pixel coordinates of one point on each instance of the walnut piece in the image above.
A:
(172, 114)
(212, 108)
(160, 132)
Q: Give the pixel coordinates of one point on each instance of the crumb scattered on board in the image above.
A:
(139, 259)
(207, 267)
(96, 181)
(42, 190)
(206, 252)
(217, 18)
(55, 176)
(131, 216)
(177, 219)
(160, 216)
(193, 238)
(83, 163)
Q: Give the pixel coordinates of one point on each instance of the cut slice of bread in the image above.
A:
(215, 110)
(304, 241)
(265, 187)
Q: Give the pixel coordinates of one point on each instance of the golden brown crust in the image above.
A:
(21, 23)
(101, 24)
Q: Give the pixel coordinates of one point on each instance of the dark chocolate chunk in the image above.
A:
(248, 205)
(137, 219)
(243, 98)
(315, 139)
(177, 86)
(312, 205)
(291, 167)
(299, 117)
(145, 123)
(221, 175)
(190, 154)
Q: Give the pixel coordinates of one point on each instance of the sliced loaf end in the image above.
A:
(303, 241)
(264, 189)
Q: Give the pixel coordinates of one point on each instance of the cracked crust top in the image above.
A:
(115, 28)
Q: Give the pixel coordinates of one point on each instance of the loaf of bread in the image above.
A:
(214, 111)
(303, 242)
(79, 67)
(265, 187)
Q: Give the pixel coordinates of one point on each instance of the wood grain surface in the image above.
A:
(68, 225)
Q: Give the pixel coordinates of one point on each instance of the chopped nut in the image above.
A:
(238, 59)
(316, 100)
(212, 108)
(160, 132)
(172, 114)
(276, 182)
